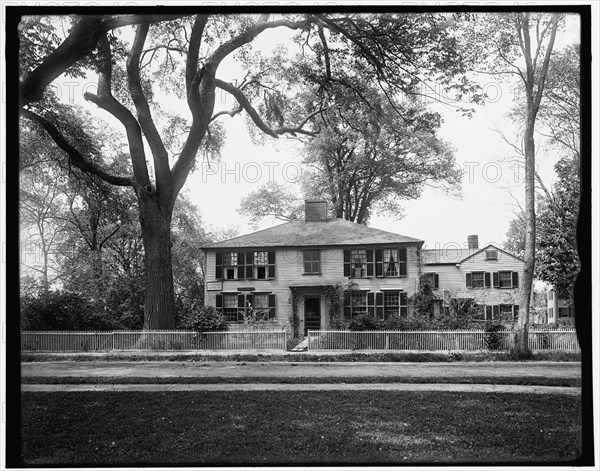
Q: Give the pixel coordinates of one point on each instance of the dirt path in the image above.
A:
(266, 370)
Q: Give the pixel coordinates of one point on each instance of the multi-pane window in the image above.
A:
(238, 306)
(245, 265)
(505, 279)
(390, 262)
(261, 306)
(359, 303)
(358, 260)
(491, 255)
(391, 303)
(230, 307)
(506, 312)
(312, 263)
(477, 279)
(432, 279)
(230, 262)
(261, 261)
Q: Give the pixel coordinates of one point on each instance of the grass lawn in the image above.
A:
(551, 355)
(303, 428)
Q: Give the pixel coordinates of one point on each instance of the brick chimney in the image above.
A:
(473, 241)
(315, 210)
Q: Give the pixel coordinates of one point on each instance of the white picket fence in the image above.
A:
(432, 340)
(68, 341)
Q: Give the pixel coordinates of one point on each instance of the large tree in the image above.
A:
(520, 44)
(194, 48)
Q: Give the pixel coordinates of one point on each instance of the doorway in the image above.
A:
(312, 313)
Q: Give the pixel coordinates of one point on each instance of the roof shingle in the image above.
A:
(318, 233)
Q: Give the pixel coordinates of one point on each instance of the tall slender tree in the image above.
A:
(519, 44)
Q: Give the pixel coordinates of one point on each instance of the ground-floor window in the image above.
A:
(230, 307)
(359, 304)
(380, 305)
(236, 307)
(501, 312)
(565, 312)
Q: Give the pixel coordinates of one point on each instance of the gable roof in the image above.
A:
(315, 233)
(454, 256)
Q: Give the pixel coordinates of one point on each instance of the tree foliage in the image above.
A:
(187, 51)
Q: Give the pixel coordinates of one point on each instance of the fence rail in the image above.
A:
(66, 341)
(472, 340)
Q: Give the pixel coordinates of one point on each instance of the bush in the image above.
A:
(62, 310)
(205, 319)
(365, 322)
(407, 323)
(492, 339)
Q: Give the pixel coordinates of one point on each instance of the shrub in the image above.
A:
(205, 319)
(364, 322)
(407, 323)
(62, 310)
(492, 339)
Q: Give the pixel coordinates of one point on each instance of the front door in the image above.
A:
(312, 313)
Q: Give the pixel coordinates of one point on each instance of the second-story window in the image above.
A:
(312, 262)
(230, 265)
(390, 262)
(358, 261)
(505, 279)
(476, 279)
(261, 262)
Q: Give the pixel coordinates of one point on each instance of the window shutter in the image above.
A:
(250, 299)
(403, 304)
(240, 260)
(347, 306)
(516, 311)
(219, 302)
(346, 263)
(488, 312)
(371, 304)
(378, 262)
(272, 306)
(219, 266)
(436, 281)
(496, 311)
(488, 282)
(402, 261)
(515, 279)
(468, 280)
(249, 271)
(496, 279)
(241, 306)
(379, 306)
(271, 264)
(370, 263)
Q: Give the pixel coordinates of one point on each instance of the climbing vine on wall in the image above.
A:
(294, 318)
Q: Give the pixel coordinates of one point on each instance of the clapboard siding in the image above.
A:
(452, 277)
(289, 272)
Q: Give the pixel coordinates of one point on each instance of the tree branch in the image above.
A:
(159, 153)
(82, 39)
(75, 157)
(247, 106)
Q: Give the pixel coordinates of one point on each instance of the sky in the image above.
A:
(492, 181)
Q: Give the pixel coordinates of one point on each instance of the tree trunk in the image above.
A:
(156, 234)
(521, 346)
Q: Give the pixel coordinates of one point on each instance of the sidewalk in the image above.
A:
(469, 388)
